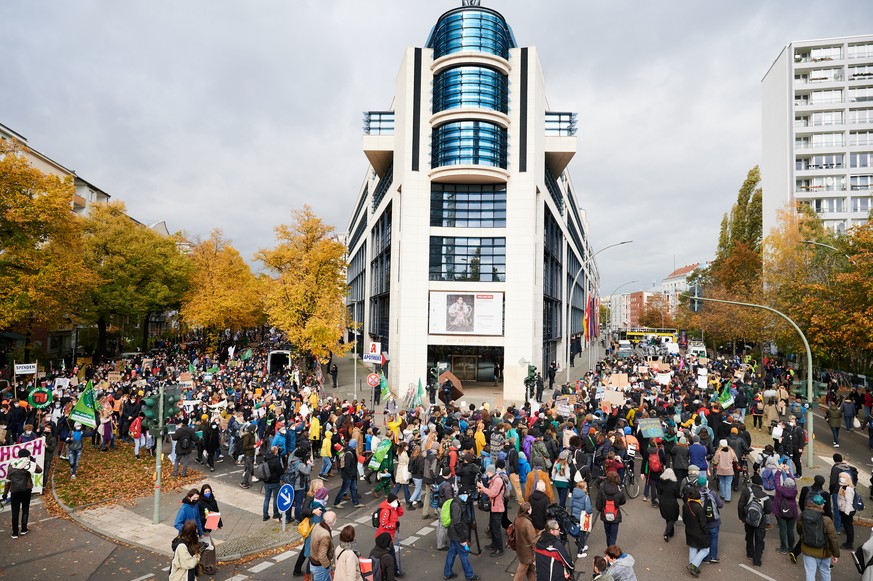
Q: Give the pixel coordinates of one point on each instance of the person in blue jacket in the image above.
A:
(189, 511)
(523, 469)
(580, 503)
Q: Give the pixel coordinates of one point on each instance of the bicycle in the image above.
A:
(631, 482)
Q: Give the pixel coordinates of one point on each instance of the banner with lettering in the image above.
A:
(10, 453)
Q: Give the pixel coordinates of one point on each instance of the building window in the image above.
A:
(861, 204)
(819, 162)
(467, 259)
(860, 94)
(860, 138)
(819, 97)
(827, 53)
(822, 118)
(860, 73)
(553, 252)
(474, 87)
(863, 159)
(860, 51)
(468, 206)
(380, 275)
(861, 182)
(828, 205)
(860, 115)
(471, 30)
(469, 142)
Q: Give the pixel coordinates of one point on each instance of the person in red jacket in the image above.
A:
(390, 512)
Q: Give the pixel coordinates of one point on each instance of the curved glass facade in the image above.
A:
(469, 142)
(471, 30)
(470, 86)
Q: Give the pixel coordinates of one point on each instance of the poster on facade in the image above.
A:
(466, 313)
(10, 453)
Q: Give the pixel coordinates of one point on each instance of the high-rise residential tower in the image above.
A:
(466, 237)
(818, 130)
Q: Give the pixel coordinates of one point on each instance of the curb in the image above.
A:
(227, 560)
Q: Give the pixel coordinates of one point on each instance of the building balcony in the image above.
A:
(79, 201)
(468, 114)
(469, 173)
(560, 140)
(470, 58)
(379, 139)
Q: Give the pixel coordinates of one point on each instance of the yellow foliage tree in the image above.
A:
(306, 297)
(42, 271)
(224, 293)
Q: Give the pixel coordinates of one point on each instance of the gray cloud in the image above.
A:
(231, 114)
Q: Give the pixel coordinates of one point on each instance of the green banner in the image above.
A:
(83, 412)
(246, 355)
(380, 453)
(383, 385)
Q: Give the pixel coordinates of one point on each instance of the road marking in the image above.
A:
(286, 555)
(238, 578)
(165, 569)
(761, 575)
(424, 531)
(363, 519)
(267, 564)
(149, 576)
(409, 540)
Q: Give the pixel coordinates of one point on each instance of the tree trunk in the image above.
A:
(145, 332)
(27, 336)
(100, 352)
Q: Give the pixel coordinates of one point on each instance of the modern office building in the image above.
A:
(465, 240)
(818, 130)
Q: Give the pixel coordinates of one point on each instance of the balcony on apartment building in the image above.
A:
(379, 139)
(560, 142)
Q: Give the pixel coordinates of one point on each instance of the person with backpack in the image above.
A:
(653, 467)
(74, 448)
(272, 482)
(19, 487)
(382, 557)
(818, 540)
(580, 507)
(754, 504)
(785, 509)
(247, 444)
(314, 506)
(349, 473)
(459, 537)
(848, 503)
(696, 533)
(390, 512)
(668, 501)
(445, 492)
(496, 492)
(723, 461)
(712, 505)
(834, 417)
(610, 497)
(522, 538)
(621, 564)
(186, 440)
(834, 487)
(430, 474)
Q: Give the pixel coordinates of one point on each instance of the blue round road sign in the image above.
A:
(286, 498)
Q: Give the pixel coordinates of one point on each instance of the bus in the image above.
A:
(648, 333)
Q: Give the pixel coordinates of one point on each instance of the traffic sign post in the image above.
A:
(285, 501)
(373, 380)
(374, 353)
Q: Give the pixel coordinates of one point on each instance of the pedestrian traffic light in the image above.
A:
(150, 411)
(434, 375)
(531, 373)
(172, 396)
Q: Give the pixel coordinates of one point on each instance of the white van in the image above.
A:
(697, 349)
(625, 349)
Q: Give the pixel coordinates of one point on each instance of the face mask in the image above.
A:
(207, 494)
(463, 498)
(395, 504)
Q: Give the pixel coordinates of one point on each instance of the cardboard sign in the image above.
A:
(618, 380)
(703, 360)
(62, 382)
(185, 376)
(25, 368)
(663, 378)
(614, 397)
(564, 405)
(113, 377)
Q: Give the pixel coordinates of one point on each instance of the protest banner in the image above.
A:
(618, 380)
(113, 377)
(10, 453)
(563, 404)
(651, 427)
(614, 397)
(663, 378)
(62, 382)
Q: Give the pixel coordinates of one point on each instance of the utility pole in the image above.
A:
(159, 447)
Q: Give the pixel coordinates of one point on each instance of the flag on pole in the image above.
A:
(319, 375)
(597, 316)
(419, 395)
(191, 368)
(246, 355)
(84, 410)
(383, 385)
(726, 400)
(63, 364)
(585, 321)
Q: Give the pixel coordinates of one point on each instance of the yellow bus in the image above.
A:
(647, 333)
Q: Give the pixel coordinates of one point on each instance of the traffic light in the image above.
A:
(172, 396)
(696, 305)
(150, 411)
(531, 373)
(434, 375)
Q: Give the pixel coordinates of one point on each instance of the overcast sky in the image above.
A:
(218, 114)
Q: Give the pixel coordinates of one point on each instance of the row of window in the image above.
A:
(468, 206)
(830, 53)
(467, 259)
(470, 86)
(840, 205)
(469, 142)
(471, 30)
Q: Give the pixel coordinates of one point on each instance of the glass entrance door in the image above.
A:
(464, 367)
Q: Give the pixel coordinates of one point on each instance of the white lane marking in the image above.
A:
(409, 540)
(149, 576)
(238, 578)
(761, 575)
(48, 518)
(425, 531)
(286, 555)
(266, 565)
(165, 569)
(362, 520)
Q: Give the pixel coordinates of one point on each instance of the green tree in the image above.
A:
(305, 297)
(42, 270)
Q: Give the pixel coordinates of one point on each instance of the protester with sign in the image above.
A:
(19, 486)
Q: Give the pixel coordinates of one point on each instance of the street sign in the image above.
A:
(374, 353)
(372, 380)
(286, 498)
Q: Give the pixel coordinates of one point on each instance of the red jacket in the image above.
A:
(389, 518)
(136, 428)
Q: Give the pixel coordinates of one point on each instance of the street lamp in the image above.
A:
(570, 310)
(834, 248)
(612, 295)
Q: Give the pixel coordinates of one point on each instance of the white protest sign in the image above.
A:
(25, 368)
(10, 453)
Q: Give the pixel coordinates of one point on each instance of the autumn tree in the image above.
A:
(305, 297)
(140, 271)
(826, 291)
(657, 312)
(735, 273)
(42, 270)
(224, 292)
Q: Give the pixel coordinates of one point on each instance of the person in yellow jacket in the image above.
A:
(394, 423)
(480, 438)
(326, 453)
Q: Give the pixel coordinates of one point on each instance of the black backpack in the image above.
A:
(813, 528)
(754, 510)
(20, 480)
(185, 442)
